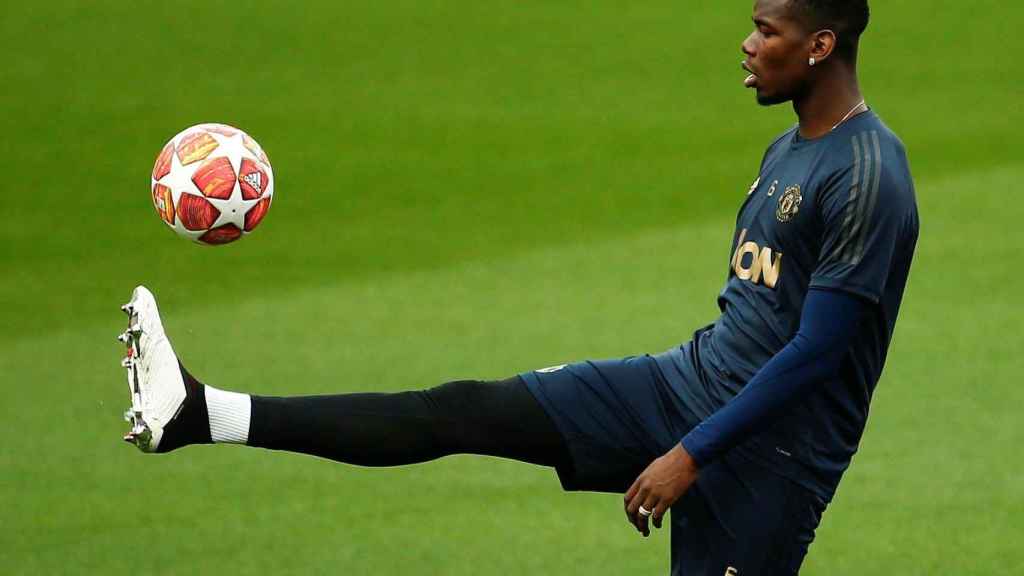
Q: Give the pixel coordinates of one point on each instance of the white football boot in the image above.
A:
(154, 377)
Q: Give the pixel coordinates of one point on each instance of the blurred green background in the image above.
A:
(467, 190)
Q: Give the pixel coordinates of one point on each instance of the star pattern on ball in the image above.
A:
(233, 209)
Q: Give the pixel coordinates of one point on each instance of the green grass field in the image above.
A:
(468, 190)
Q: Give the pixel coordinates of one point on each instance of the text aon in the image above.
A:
(762, 266)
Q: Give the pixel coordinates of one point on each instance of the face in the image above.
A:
(777, 54)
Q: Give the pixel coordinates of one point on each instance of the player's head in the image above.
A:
(789, 33)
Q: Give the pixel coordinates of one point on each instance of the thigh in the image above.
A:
(497, 418)
(615, 416)
(743, 519)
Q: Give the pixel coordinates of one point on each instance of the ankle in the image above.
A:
(229, 415)
(191, 425)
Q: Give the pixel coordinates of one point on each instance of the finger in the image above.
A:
(659, 513)
(633, 507)
(643, 520)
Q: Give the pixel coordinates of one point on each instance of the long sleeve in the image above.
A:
(828, 322)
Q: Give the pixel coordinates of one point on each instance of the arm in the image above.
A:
(828, 323)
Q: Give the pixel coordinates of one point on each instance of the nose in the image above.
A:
(748, 46)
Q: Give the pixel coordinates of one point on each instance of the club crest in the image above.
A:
(789, 204)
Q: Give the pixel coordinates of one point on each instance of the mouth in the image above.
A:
(751, 80)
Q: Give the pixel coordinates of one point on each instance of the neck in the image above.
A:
(832, 96)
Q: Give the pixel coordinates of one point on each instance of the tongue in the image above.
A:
(750, 81)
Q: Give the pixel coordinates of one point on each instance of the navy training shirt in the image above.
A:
(836, 212)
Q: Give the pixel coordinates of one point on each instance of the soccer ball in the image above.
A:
(212, 184)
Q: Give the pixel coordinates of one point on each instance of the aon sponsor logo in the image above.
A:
(757, 264)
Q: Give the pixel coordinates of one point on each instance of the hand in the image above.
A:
(659, 486)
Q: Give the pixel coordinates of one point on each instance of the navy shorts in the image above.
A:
(743, 516)
(616, 417)
(619, 415)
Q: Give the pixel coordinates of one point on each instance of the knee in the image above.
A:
(452, 397)
(469, 397)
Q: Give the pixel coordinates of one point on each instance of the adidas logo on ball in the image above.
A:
(253, 179)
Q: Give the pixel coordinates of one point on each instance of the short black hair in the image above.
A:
(847, 18)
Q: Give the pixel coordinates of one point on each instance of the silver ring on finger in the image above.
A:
(644, 511)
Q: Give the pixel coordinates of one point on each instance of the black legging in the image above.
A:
(465, 417)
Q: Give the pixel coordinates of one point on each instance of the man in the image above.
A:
(761, 411)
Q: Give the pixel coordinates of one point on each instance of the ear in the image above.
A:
(823, 43)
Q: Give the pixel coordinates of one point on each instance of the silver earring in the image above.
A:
(812, 61)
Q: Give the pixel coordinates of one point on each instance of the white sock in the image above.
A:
(229, 415)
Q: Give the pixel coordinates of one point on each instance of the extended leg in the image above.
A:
(171, 409)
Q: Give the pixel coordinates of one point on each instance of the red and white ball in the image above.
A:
(212, 184)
